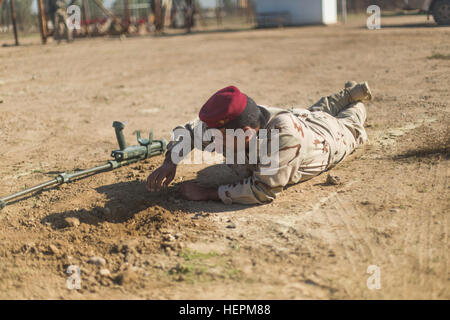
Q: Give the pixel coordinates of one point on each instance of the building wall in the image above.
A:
(329, 11)
(299, 11)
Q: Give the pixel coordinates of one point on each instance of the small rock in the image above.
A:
(333, 180)
(125, 266)
(169, 249)
(160, 265)
(168, 246)
(104, 272)
(29, 247)
(231, 226)
(72, 222)
(393, 210)
(68, 260)
(125, 277)
(53, 249)
(168, 238)
(180, 278)
(396, 133)
(179, 268)
(106, 211)
(129, 246)
(99, 261)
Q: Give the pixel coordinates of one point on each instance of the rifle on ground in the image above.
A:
(126, 155)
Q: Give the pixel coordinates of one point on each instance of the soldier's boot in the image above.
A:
(358, 91)
(350, 84)
(335, 103)
(353, 92)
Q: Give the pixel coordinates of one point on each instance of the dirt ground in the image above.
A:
(316, 241)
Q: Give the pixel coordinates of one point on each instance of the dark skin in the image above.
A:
(164, 175)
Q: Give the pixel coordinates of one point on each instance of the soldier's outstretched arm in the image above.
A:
(177, 149)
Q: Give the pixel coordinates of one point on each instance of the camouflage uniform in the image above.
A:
(60, 22)
(311, 141)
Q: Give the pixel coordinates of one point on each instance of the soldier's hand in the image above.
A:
(161, 176)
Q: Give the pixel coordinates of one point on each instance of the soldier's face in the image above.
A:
(235, 136)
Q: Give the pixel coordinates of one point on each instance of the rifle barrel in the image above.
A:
(66, 177)
(60, 179)
(29, 190)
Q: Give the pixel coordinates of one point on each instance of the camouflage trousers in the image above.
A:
(60, 25)
(342, 120)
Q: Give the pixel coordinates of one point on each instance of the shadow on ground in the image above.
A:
(443, 151)
(409, 25)
(126, 199)
(435, 143)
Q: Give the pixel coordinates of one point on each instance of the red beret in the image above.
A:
(224, 106)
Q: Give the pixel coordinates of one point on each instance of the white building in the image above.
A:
(271, 13)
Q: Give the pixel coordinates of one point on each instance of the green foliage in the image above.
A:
(440, 56)
(204, 266)
(192, 255)
(25, 18)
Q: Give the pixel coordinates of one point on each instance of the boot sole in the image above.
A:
(369, 92)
